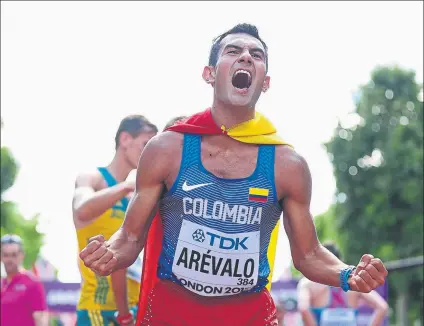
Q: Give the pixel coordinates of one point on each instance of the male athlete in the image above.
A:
(322, 305)
(99, 204)
(221, 180)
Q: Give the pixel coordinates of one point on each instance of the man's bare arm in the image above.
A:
(313, 260)
(89, 204)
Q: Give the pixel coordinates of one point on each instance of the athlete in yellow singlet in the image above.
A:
(100, 200)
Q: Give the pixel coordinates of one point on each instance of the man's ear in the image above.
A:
(209, 75)
(266, 84)
(125, 139)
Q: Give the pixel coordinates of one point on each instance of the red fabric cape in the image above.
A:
(200, 123)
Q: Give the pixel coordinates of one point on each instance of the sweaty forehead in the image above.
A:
(241, 40)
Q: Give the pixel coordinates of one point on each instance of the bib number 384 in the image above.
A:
(213, 263)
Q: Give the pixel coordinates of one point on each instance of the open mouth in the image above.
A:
(242, 79)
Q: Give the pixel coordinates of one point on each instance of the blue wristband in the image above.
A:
(344, 276)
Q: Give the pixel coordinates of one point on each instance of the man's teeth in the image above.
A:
(244, 71)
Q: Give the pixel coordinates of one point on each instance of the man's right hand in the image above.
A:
(98, 257)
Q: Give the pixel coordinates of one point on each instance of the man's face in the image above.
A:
(134, 146)
(239, 76)
(12, 257)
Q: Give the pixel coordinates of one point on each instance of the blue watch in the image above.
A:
(344, 277)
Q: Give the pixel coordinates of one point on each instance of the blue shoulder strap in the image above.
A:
(111, 181)
(266, 160)
(191, 151)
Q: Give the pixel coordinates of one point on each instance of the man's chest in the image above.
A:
(14, 293)
(227, 158)
(229, 164)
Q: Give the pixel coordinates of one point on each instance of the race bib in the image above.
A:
(213, 263)
(338, 317)
(134, 271)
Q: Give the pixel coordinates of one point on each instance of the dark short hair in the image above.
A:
(134, 125)
(12, 239)
(332, 247)
(249, 29)
(173, 121)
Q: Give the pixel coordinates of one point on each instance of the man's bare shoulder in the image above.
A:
(292, 175)
(161, 156)
(288, 160)
(165, 143)
(89, 178)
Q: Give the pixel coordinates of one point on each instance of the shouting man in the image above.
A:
(221, 180)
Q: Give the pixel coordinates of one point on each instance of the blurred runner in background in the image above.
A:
(325, 305)
(99, 204)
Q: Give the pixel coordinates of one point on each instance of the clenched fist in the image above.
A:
(98, 257)
(368, 275)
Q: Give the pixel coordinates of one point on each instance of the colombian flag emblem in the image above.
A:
(258, 194)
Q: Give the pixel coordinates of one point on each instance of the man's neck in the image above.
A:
(231, 116)
(119, 168)
(11, 275)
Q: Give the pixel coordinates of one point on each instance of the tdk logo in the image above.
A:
(199, 235)
(226, 243)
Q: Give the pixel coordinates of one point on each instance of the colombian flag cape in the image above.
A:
(256, 131)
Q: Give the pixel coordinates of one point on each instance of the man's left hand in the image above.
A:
(368, 275)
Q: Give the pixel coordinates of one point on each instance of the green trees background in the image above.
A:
(11, 220)
(377, 157)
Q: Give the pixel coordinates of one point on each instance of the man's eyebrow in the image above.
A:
(240, 48)
(232, 46)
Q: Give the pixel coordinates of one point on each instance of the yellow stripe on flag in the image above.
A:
(258, 191)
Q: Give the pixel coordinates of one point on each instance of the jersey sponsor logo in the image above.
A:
(227, 243)
(222, 242)
(187, 188)
(239, 214)
(199, 235)
(213, 263)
